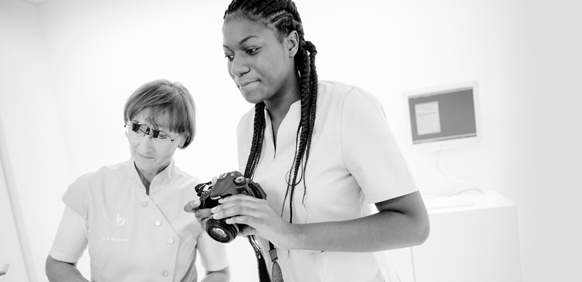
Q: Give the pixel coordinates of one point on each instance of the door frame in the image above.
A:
(14, 200)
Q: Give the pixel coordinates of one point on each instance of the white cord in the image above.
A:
(471, 186)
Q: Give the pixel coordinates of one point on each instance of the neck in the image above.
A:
(279, 104)
(146, 176)
(277, 114)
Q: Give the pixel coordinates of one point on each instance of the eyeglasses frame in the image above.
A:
(135, 126)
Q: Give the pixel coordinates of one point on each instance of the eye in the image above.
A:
(229, 57)
(163, 135)
(251, 51)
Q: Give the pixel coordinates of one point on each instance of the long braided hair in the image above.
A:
(282, 16)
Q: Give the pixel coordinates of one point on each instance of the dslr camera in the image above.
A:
(227, 184)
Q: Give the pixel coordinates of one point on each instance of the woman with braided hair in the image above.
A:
(321, 150)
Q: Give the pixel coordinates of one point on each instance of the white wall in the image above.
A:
(70, 65)
(32, 128)
(556, 168)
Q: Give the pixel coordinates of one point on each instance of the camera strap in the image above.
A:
(276, 274)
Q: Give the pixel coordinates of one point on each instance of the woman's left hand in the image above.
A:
(260, 218)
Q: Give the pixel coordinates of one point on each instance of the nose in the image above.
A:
(145, 143)
(238, 66)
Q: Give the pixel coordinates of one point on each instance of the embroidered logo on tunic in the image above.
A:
(118, 222)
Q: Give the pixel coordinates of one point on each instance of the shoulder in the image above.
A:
(184, 177)
(333, 89)
(340, 91)
(98, 175)
(182, 186)
(79, 192)
(346, 97)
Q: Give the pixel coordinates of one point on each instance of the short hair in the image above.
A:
(162, 97)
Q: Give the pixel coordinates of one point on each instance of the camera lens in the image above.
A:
(221, 231)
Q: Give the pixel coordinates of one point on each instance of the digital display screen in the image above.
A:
(442, 116)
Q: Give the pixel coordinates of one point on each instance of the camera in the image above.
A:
(227, 184)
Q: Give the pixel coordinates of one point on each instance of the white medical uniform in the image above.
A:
(353, 162)
(133, 236)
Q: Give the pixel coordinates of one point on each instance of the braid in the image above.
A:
(308, 90)
(312, 51)
(282, 16)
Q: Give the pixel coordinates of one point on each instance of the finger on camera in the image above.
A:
(240, 198)
(203, 222)
(237, 210)
(236, 203)
(202, 213)
(192, 206)
(246, 231)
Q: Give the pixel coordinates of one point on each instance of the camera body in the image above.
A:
(227, 184)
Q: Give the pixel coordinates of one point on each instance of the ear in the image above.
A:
(292, 41)
(182, 142)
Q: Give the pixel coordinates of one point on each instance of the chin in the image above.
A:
(253, 99)
(144, 163)
(141, 165)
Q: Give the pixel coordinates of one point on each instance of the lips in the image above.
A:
(243, 84)
(145, 157)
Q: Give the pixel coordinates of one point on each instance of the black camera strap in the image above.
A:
(276, 274)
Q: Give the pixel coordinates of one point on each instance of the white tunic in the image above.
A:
(353, 162)
(132, 236)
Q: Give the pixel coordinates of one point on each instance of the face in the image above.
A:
(261, 66)
(151, 157)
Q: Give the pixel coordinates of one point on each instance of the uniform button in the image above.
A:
(171, 241)
(166, 273)
(144, 204)
(158, 222)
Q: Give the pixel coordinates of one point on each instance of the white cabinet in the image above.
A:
(473, 238)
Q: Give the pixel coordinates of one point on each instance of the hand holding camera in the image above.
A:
(227, 184)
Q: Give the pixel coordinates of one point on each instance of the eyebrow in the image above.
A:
(147, 124)
(242, 41)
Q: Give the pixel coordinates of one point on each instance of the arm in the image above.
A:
(59, 271)
(400, 222)
(213, 258)
(68, 246)
(222, 275)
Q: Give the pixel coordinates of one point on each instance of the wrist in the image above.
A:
(295, 237)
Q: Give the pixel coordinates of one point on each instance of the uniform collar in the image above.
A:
(159, 181)
(294, 110)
